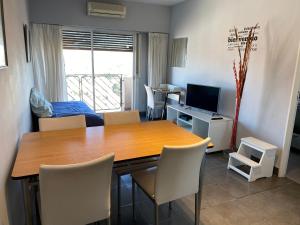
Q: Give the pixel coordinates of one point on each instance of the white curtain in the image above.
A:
(47, 61)
(157, 59)
(140, 78)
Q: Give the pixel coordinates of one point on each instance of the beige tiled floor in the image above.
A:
(227, 199)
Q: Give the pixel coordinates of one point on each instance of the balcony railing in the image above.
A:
(103, 93)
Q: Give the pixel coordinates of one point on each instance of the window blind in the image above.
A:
(101, 41)
(77, 40)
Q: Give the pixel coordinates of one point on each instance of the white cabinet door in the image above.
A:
(220, 134)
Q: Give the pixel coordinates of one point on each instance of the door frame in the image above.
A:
(135, 75)
(287, 140)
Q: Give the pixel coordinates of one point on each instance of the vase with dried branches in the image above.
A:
(240, 74)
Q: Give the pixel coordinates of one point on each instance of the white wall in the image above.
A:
(140, 17)
(15, 84)
(206, 23)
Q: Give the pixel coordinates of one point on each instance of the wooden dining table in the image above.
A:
(128, 142)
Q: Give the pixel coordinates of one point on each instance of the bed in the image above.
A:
(72, 108)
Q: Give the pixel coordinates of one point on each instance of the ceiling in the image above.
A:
(159, 2)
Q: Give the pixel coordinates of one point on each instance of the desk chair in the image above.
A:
(115, 118)
(176, 176)
(76, 194)
(153, 104)
(62, 123)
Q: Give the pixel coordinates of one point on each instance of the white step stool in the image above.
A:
(243, 161)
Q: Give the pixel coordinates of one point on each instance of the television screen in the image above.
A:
(203, 97)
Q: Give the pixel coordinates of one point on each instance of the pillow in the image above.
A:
(39, 105)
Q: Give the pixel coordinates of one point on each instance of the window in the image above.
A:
(97, 64)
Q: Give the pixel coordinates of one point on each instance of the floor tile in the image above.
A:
(227, 199)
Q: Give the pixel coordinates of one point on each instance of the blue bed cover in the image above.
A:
(72, 108)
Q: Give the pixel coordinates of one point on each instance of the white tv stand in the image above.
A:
(203, 125)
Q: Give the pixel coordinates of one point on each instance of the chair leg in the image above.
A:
(170, 205)
(199, 193)
(197, 209)
(133, 199)
(149, 114)
(119, 199)
(162, 114)
(156, 214)
(170, 209)
(36, 202)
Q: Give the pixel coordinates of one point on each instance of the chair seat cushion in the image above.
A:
(146, 180)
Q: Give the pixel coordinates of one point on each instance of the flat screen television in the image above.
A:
(203, 97)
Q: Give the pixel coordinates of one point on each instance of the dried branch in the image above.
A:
(240, 77)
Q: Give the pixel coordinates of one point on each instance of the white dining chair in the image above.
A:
(176, 176)
(62, 123)
(153, 104)
(117, 118)
(76, 194)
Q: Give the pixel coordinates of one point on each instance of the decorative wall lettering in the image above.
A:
(233, 43)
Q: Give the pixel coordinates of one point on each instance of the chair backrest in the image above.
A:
(170, 87)
(164, 86)
(62, 123)
(114, 118)
(178, 171)
(76, 194)
(150, 97)
(174, 88)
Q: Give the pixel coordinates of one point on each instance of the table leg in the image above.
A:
(27, 201)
